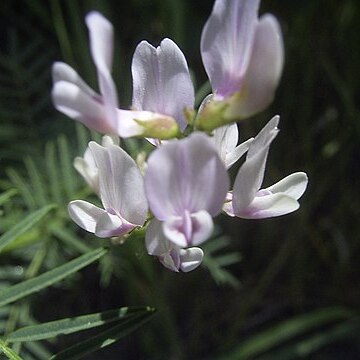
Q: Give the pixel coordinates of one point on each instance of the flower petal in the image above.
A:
(127, 126)
(88, 171)
(191, 229)
(101, 40)
(121, 183)
(264, 72)
(64, 72)
(158, 245)
(145, 123)
(203, 227)
(85, 214)
(161, 80)
(269, 206)
(264, 138)
(293, 185)
(226, 43)
(190, 258)
(71, 100)
(248, 180)
(109, 225)
(86, 165)
(173, 229)
(155, 240)
(233, 156)
(186, 175)
(226, 138)
(228, 205)
(250, 176)
(101, 46)
(169, 254)
(171, 260)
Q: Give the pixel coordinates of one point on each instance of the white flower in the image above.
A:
(247, 199)
(121, 191)
(86, 166)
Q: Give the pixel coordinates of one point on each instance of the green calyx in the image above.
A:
(163, 128)
(217, 113)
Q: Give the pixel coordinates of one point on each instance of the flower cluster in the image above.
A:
(185, 182)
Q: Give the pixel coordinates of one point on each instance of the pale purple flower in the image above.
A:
(226, 138)
(121, 192)
(243, 56)
(73, 97)
(248, 200)
(170, 255)
(186, 183)
(161, 80)
(86, 166)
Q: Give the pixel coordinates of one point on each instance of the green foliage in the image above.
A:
(7, 196)
(23, 226)
(314, 342)
(216, 263)
(104, 338)
(75, 324)
(287, 330)
(42, 281)
(24, 84)
(56, 170)
(124, 320)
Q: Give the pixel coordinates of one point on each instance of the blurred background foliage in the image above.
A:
(284, 288)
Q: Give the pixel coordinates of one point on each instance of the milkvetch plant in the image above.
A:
(184, 183)
(64, 290)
